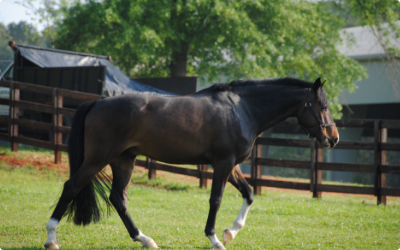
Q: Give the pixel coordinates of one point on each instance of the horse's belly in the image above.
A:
(174, 152)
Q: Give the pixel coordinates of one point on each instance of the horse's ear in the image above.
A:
(317, 84)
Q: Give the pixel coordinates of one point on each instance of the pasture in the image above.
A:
(173, 212)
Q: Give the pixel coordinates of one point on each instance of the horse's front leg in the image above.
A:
(222, 170)
(237, 180)
(238, 224)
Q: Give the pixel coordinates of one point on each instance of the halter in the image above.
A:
(310, 132)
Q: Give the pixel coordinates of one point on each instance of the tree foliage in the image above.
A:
(21, 32)
(6, 54)
(47, 12)
(216, 40)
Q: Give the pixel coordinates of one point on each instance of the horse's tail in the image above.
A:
(85, 208)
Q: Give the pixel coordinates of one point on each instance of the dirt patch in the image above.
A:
(38, 161)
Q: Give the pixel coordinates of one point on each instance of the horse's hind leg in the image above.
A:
(71, 189)
(237, 180)
(122, 168)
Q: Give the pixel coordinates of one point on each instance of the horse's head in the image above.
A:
(315, 118)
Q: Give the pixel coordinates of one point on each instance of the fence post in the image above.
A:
(202, 180)
(313, 157)
(10, 112)
(377, 160)
(383, 161)
(57, 121)
(256, 169)
(14, 114)
(152, 171)
(253, 167)
(318, 173)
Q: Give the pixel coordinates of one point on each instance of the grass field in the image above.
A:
(174, 212)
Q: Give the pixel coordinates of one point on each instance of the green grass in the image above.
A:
(174, 215)
(141, 178)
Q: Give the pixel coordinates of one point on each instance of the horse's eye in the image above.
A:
(325, 109)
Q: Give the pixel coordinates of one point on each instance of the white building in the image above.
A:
(377, 97)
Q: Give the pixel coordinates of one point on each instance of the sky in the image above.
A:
(10, 11)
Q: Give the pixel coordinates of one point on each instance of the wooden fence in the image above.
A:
(56, 128)
(56, 109)
(378, 147)
(316, 165)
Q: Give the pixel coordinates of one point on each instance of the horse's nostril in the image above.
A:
(336, 140)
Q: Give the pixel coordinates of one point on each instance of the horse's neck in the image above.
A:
(272, 106)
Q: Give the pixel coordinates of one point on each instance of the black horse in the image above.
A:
(216, 126)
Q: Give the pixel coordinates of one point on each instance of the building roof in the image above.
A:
(116, 82)
(383, 84)
(361, 43)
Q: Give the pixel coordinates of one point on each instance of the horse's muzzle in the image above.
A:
(332, 142)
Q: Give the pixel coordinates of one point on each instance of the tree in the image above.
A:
(234, 39)
(21, 32)
(25, 33)
(47, 12)
(6, 55)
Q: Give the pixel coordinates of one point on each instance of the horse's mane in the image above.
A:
(287, 81)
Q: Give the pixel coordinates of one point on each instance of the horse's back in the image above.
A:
(171, 129)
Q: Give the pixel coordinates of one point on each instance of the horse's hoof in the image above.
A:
(218, 245)
(227, 236)
(150, 243)
(51, 245)
(146, 241)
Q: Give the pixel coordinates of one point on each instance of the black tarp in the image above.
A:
(116, 83)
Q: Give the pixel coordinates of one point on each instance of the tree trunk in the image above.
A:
(178, 66)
